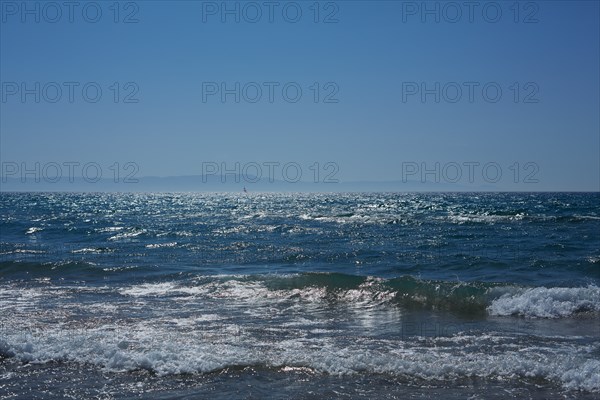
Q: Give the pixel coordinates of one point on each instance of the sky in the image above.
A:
(479, 95)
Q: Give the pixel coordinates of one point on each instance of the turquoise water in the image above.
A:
(299, 295)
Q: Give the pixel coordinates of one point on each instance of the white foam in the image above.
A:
(148, 289)
(111, 229)
(206, 342)
(592, 217)
(545, 302)
(484, 218)
(28, 251)
(159, 245)
(127, 235)
(91, 250)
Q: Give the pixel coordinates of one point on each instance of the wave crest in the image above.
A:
(545, 302)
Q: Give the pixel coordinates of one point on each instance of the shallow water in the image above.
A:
(300, 295)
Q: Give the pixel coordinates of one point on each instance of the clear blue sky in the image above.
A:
(372, 56)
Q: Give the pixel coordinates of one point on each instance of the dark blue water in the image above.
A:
(299, 295)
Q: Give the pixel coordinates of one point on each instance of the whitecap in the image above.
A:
(545, 302)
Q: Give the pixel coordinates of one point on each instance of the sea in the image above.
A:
(299, 295)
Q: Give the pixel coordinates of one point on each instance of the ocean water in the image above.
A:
(366, 295)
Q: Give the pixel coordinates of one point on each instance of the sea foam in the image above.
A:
(545, 302)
